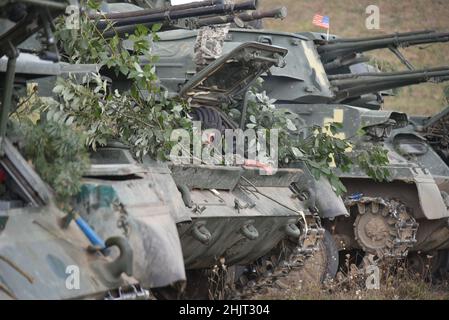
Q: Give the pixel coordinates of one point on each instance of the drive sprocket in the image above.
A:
(383, 227)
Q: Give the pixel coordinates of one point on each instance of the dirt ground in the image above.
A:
(398, 283)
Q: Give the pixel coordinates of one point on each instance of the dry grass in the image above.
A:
(348, 20)
(397, 284)
(410, 289)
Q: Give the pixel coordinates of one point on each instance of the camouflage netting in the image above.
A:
(209, 44)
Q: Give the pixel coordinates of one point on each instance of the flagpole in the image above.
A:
(328, 33)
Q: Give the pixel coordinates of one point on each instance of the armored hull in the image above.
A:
(303, 87)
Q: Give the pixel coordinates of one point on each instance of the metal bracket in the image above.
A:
(134, 292)
(402, 58)
(201, 233)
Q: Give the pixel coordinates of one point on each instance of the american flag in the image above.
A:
(321, 21)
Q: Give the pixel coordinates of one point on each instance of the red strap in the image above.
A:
(258, 164)
(2, 176)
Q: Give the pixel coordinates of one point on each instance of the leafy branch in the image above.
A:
(56, 151)
(140, 116)
(319, 148)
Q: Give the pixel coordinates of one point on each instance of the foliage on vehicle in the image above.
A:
(318, 147)
(142, 117)
(56, 150)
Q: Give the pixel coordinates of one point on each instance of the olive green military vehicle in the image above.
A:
(389, 227)
(346, 64)
(129, 227)
(39, 259)
(416, 194)
(408, 213)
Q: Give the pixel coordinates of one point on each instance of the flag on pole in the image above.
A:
(321, 21)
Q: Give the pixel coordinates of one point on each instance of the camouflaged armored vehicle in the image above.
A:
(38, 256)
(231, 75)
(247, 54)
(421, 140)
(40, 245)
(409, 212)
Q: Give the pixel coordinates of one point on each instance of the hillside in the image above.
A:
(348, 20)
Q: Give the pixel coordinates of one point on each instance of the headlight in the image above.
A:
(381, 131)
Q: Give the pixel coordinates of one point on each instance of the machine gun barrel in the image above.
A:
(349, 86)
(342, 62)
(146, 12)
(391, 35)
(175, 14)
(59, 5)
(278, 13)
(344, 47)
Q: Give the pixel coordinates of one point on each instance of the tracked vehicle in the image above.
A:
(390, 218)
(39, 258)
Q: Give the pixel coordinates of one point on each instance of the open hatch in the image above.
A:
(232, 74)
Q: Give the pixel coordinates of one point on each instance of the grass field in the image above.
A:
(348, 20)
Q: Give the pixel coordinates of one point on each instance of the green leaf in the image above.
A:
(156, 27)
(290, 125)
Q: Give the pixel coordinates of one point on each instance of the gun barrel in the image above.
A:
(338, 63)
(391, 35)
(146, 12)
(349, 86)
(383, 75)
(47, 3)
(170, 15)
(331, 51)
(278, 13)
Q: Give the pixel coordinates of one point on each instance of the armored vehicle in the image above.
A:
(382, 218)
(39, 259)
(345, 61)
(342, 57)
(379, 217)
(410, 221)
